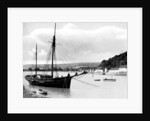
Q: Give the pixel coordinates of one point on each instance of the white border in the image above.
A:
(18, 104)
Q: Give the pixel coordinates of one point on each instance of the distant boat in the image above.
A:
(96, 79)
(33, 91)
(40, 89)
(107, 79)
(43, 92)
(50, 80)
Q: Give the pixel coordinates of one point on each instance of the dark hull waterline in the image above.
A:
(48, 81)
(62, 82)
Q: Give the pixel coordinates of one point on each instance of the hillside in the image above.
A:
(63, 66)
(115, 62)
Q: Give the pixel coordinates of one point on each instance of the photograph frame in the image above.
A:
(11, 4)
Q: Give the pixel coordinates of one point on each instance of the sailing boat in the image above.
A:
(50, 80)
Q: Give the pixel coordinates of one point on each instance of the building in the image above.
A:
(121, 71)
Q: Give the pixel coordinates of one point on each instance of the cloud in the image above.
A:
(42, 53)
(70, 26)
(31, 52)
(79, 44)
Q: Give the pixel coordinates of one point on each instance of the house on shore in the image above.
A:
(121, 71)
(99, 70)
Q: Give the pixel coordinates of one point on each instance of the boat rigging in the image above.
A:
(49, 80)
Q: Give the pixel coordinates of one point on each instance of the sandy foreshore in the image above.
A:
(30, 94)
(27, 93)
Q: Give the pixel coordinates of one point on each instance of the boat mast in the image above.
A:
(53, 50)
(36, 60)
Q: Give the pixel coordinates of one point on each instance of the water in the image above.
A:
(83, 86)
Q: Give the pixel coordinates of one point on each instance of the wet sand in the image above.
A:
(29, 94)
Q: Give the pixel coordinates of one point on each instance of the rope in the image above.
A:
(69, 57)
(64, 58)
(55, 65)
(79, 76)
(60, 55)
(48, 59)
(77, 79)
(86, 83)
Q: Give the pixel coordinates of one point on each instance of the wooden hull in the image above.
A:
(60, 82)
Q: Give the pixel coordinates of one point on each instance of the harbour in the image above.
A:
(73, 68)
(81, 87)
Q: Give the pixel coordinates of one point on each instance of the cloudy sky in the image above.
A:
(77, 42)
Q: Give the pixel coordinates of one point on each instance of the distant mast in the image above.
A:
(53, 49)
(36, 60)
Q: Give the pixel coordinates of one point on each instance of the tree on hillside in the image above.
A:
(115, 62)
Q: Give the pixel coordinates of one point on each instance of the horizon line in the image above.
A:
(62, 63)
